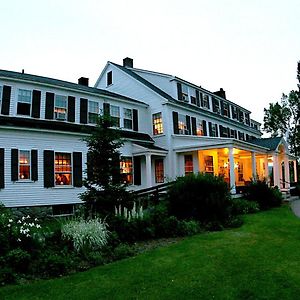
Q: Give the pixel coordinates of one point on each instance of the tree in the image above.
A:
(103, 182)
(284, 118)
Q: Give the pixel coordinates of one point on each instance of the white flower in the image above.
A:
(27, 235)
(23, 218)
(8, 225)
(19, 222)
(35, 219)
(27, 217)
(10, 220)
(18, 240)
(38, 226)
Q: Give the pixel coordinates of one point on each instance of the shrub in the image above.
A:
(202, 197)
(18, 260)
(86, 235)
(259, 191)
(240, 206)
(123, 251)
(7, 275)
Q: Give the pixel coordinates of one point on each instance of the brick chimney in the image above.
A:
(221, 93)
(128, 62)
(83, 81)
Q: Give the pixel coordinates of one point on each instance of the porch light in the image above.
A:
(236, 165)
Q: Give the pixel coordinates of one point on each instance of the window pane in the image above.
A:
(60, 109)
(188, 164)
(127, 124)
(157, 124)
(24, 96)
(63, 169)
(24, 164)
(126, 170)
(94, 107)
(159, 171)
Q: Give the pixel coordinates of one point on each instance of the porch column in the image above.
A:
(276, 170)
(148, 170)
(266, 168)
(253, 164)
(232, 175)
(196, 162)
(287, 172)
(295, 170)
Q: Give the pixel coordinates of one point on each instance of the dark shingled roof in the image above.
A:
(150, 146)
(270, 143)
(144, 81)
(63, 84)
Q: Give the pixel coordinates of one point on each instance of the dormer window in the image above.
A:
(247, 119)
(185, 92)
(60, 107)
(24, 102)
(241, 116)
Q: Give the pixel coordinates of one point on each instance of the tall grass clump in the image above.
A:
(86, 235)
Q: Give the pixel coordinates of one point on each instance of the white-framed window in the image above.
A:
(157, 124)
(93, 111)
(24, 102)
(63, 168)
(225, 109)
(216, 105)
(126, 170)
(127, 117)
(234, 112)
(188, 164)
(185, 92)
(60, 107)
(199, 127)
(109, 78)
(115, 115)
(214, 130)
(159, 171)
(182, 126)
(205, 101)
(24, 165)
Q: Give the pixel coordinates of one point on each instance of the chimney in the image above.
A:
(22, 71)
(128, 62)
(83, 81)
(221, 93)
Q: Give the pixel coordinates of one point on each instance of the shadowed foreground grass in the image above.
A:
(260, 260)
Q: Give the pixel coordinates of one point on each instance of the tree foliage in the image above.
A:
(103, 183)
(283, 119)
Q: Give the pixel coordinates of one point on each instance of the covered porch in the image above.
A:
(239, 162)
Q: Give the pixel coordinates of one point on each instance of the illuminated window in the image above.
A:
(182, 127)
(209, 164)
(63, 169)
(93, 112)
(115, 115)
(60, 107)
(24, 164)
(159, 171)
(199, 128)
(188, 164)
(157, 124)
(126, 170)
(127, 114)
(24, 102)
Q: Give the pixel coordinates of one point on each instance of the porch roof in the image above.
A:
(142, 148)
(270, 143)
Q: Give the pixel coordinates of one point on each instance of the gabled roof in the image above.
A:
(144, 81)
(4, 74)
(150, 146)
(270, 143)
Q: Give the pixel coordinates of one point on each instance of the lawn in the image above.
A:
(260, 260)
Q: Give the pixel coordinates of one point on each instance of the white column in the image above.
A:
(148, 170)
(276, 170)
(295, 170)
(286, 172)
(253, 164)
(195, 162)
(232, 175)
(266, 168)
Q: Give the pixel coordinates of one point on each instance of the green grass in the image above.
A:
(260, 260)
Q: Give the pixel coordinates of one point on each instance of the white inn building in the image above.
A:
(170, 128)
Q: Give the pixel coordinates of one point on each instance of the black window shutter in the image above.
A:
(34, 165)
(89, 172)
(208, 106)
(6, 100)
(175, 122)
(217, 130)
(210, 128)
(77, 169)
(14, 164)
(2, 168)
(221, 131)
(49, 106)
(71, 109)
(188, 124)
(135, 120)
(235, 134)
(179, 91)
(194, 126)
(36, 104)
(204, 128)
(222, 108)
(48, 168)
(197, 98)
(137, 170)
(106, 109)
(201, 100)
(83, 110)
(228, 132)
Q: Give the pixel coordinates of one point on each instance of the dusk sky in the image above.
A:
(249, 48)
